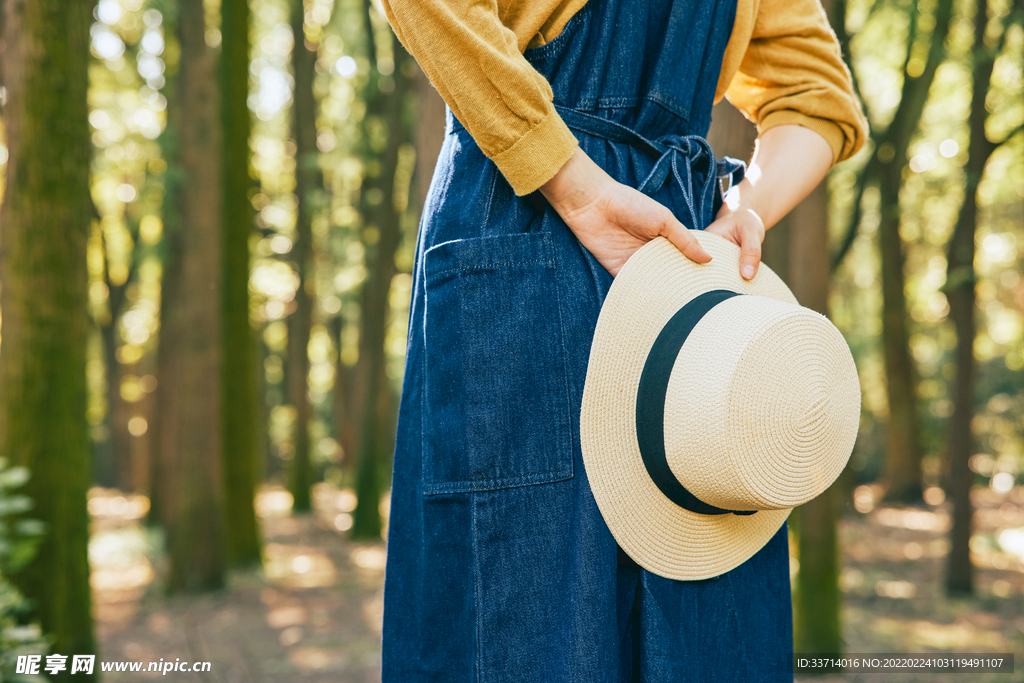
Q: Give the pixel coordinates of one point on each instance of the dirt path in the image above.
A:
(894, 566)
(313, 614)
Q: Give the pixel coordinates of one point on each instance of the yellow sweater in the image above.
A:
(782, 65)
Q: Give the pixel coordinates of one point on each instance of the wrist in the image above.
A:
(742, 199)
(734, 205)
(574, 186)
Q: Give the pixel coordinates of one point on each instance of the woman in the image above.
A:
(570, 144)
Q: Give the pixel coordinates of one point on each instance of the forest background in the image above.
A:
(208, 226)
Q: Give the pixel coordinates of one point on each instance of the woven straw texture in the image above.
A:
(761, 411)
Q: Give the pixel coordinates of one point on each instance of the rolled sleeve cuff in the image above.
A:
(537, 156)
(830, 130)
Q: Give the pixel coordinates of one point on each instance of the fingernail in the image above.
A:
(748, 272)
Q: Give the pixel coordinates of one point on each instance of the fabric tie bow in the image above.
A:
(686, 159)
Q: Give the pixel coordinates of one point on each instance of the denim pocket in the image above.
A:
(496, 398)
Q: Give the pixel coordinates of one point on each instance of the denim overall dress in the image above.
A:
(500, 567)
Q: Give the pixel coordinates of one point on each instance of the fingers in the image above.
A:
(746, 230)
(751, 236)
(750, 254)
(683, 239)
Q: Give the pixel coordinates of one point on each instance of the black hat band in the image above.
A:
(650, 401)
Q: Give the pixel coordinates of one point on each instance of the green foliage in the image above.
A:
(931, 194)
(19, 536)
(16, 639)
(19, 541)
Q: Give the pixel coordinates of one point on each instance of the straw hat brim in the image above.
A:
(659, 535)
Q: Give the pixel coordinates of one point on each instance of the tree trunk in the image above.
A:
(190, 465)
(308, 182)
(140, 477)
(112, 455)
(238, 402)
(960, 284)
(44, 227)
(961, 279)
(903, 450)
(348, 392)
(350, 382)
(382, 225)
(886, 168)
(902, 431)
(119, 441)
(731, 134)
(817, 599)
(430, 126)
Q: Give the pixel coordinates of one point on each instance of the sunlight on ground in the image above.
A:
(120, 552)
(369, 558)
(961, 636)
(110, 504)
(273, 501)
(316, 657)
(1012, 541)
(896, 589)
(119, 559)
(319, 600)
(298, 566)
(373, 613)
(918, 520)
(998, 541)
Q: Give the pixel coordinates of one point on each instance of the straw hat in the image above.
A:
(712, 407)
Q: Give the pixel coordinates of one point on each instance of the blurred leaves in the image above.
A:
(19, 536)
(930, 198)
(19, 541)
(16, 638)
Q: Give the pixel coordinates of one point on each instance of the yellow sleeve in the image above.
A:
(792, 72)
(477, 66)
